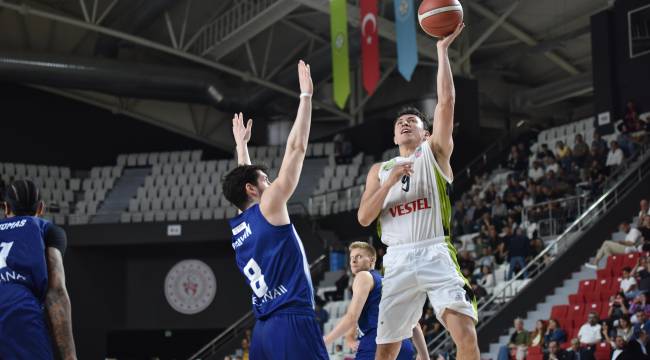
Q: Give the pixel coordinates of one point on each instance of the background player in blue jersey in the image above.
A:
(31, 279)
(268, 251)
(363, 310)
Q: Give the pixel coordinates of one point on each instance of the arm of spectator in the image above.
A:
(363, 284)
(419, 343)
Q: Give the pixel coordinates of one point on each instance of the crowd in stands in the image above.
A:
(616, 307)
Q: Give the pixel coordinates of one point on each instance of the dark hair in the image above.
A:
(412, 110)
(234, 183)
(627, 269)
(23, 197)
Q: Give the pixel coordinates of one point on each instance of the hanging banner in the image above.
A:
(369, 45)
(340, 54)
(407, 48)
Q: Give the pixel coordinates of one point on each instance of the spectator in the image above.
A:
(479, 291)
(590, 335)
(644, 229)
(609, 247)
(322, 316)
(555, 352)
(466, 261)
(628, 284)
(639, 304)
(618, 307)
(518, 343)
(528, 200)
(574, 351)
(227, 357)
(623, 329)
(631, 117)
(644, 209)
(617, 345)
(637, 349)
(596, 176)
(544, 153)
(537, 336)
(563, 153)
(643, 272)
(580, 150)
(486, 280)
(499, 209)
(614, 156)
(341, 284)
(518, 248)
(338, 353)
(487, 259)
(551, 165)
(599, 146)
(554, 333)
(245, 348)
(537, 171)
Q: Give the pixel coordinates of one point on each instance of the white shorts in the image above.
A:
(411, 272)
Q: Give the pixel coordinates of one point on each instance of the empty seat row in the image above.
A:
(201, 167)
(106, 172)
(177, 203)
(86, 207)
(178, 191)
(148, 159)
(182, 180)
(178, 215)
(33, 171)
(98, 184)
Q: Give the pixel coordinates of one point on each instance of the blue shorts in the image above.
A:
(288, 337)
(368, 348)
(23, 331)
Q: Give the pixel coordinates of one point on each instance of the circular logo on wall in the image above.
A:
(190, 286)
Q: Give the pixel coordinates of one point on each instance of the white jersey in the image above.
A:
(417, 208)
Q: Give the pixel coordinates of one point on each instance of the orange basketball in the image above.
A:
(440, 17)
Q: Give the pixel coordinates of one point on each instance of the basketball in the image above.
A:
(439, 18)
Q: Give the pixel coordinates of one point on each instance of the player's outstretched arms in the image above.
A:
(420, 344)
(375, 193)
(361, 287)
(441, 141)
(242, 135)
(274, 200)
(58, 306)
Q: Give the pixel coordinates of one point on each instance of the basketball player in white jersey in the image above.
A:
(409, 196)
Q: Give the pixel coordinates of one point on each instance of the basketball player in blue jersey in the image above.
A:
(32, 278)
(363, 310)
(268, 251)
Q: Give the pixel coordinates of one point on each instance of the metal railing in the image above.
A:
(551, 216)
(209, 351)
(635, 173)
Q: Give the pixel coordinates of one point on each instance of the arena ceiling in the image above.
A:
(532, 58)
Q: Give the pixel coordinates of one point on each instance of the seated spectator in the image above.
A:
(590, 335)
(641, 321)
(618, 344)
(644, 229)
(518, 343)
(631, 117)
(636, 349)
(614, 156)
(628, 284)
(618, 307)
(479, 291)
(338, 353)
(624, 328)
(431, 327)
(580, 150)
(544, 152)
(536, 171)
(551, 164)
(644, 209)
(537, 336)
(596, 176)
(466, 262)
(245, 349)
(485, 222)
(486, 279)
(562, 153)
(554, 333)
(518, 249)
(609, 247)
(555, 352)
(487, 259)
(499, 209)
(639, 304)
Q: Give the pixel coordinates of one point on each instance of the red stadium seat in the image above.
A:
(604, 347)
(586, 286)
(615, 263)
(576, 313)
(576, 299)
(592, 296)
(559, 311)
(534, 350)
(535, 357)
(631, 260)
(606, 294)
(604, 273)
(616, 284)
(604, 310)
(565, 345)
(593, 306)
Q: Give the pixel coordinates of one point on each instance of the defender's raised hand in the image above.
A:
(304, 77)
(241, 134)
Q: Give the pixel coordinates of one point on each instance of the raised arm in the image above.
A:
(242, 135)
(58, 307)
(419, 343)
(361, 287)
(441, 141)
(375, 193)
(274, 200)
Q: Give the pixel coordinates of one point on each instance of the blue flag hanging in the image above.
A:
(407, 47)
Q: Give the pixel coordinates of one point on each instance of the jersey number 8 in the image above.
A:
(256, 278)
(4, 253)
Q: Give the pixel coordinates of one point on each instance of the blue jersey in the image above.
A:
(370, 313)
(23, 286)
(22, 256)
(272, 259)
(368, 326)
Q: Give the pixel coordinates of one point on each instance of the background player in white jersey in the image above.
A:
(409, 195)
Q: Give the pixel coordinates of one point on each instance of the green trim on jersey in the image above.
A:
(445, 212)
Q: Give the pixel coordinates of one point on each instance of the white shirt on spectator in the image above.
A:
(633, 236)
(614, 158)
(536, 174)
(589, 334)
(626, 284)
(554, 166)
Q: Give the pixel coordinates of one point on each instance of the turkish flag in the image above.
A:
(369, 45)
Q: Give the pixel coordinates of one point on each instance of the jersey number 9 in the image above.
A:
(254, 274)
